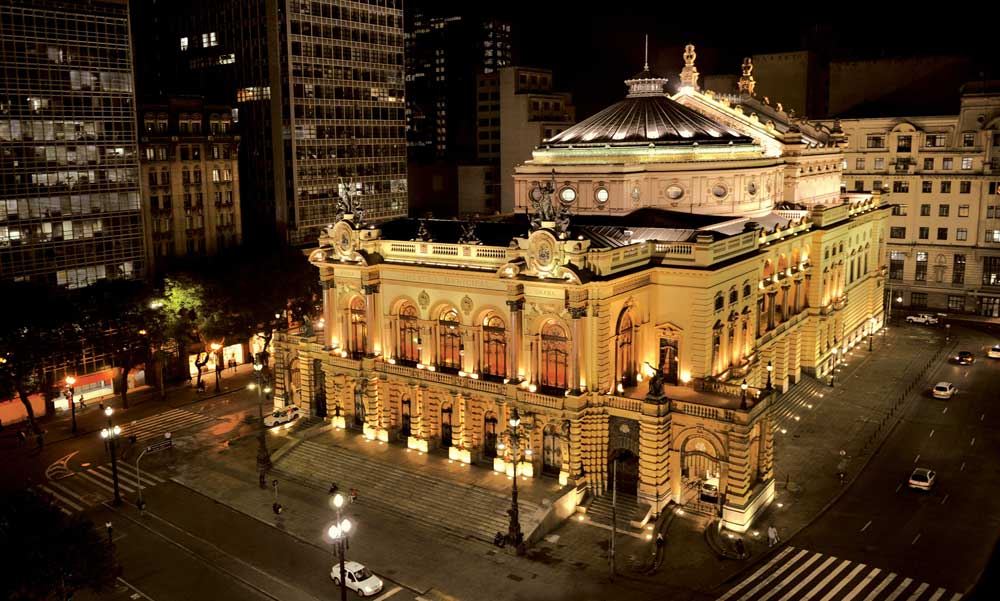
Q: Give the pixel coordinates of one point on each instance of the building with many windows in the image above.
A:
(190, 179)
(69, 171)
(317, 88)
(681, 258)
(944, 176)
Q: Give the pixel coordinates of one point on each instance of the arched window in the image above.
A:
(719, 301)
(555, 353)
(733, 296)
(409, 334)
(449, 341)
(404, 417)
(494, 347)
(359, 327)
(626, 351)
(746, 290)
(446, 430)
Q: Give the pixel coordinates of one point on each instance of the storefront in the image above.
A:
(233, 352)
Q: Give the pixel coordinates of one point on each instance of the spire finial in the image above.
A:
(746, 83)
(689, 74)
(645, 64)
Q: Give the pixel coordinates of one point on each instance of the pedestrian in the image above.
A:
(354, 495)
(741, 550)
(22, 438)
(659, 542)
(772, 536)
(82, 404)
(334, 488)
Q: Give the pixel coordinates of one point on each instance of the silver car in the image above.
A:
(922, 478)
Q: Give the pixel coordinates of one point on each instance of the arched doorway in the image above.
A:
(623, 472)
(359, 407)
(404, 417)
(319, 389)
(551, 451)
(490, 435)
(446, 426)
(625, 352)
(701, 471)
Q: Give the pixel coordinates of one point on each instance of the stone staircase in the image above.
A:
(305, 423)
(794, 402)
(627, 510)
(464, 510)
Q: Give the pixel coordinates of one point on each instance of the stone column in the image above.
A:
(770, 308)
(760, 316)
(577, 313)
(805, 291)
(516, 337)
(329, 318)
(370, 326)
(654, 455)
(785, 290)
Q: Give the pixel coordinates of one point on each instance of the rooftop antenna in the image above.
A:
(645, 66)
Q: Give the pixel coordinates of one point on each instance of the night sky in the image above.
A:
(592, 52)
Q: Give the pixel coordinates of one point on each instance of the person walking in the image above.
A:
(772, 536)
(354, 495)
(741, 549)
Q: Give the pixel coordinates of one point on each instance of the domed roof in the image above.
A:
(647, 116)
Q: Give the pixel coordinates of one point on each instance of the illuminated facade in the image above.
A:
(69, 170)
(705, 250)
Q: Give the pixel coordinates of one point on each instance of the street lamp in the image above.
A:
(871, 333)
(834, 350)
(338, 534)
(514, 534)
(743, 395)
(216, 347)
(263, 456)
(68, 393)
(770, 368)
(111, 434)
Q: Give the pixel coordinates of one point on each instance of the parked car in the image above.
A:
(709, 489)
(282, 416)
(944, 390)
(922, 478)
(994, 352)
(359, 578)
(965, 358)
(924, 318)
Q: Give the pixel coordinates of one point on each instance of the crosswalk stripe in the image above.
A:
(66, 490)
(768, 580)
(791, 577)
(861, 585)
(111, 480)
(148, 478)
(123, 476)
(956, 597)
(99, 483)
(100, 480)
(937, 594)
(759, 572)
(878, 589)
(920, 591)
(833, 592)
(899, 590)
(791, 594)
(65, 500)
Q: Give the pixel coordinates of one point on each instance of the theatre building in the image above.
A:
(673, 262)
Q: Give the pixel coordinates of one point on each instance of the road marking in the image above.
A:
(956, 597)
(982, 417)
(111, 481)
(861, 585)
(945, 410)
(878, 590)
(389, 594)
(920, 591)
(962, 469)
(932, 434)
(784, 582)
(917, 459)
(937, 594)
(61, 498)
(756, 575)
(827, 580)
(59, 469)
(833, 592)
(866, 526)
(899, 486)
(915, 539)
(944, 500)
(131, 586)
(973, 441)
(792, 593)
(899, 590)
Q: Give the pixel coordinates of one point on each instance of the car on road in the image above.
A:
(944, 390)
(924, 318)
(709, 489)
(282, 416)
(922, 478)
(359, 578)
(994, 352)
(965, 358)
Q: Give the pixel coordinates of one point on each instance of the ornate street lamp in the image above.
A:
(514, 534)
(111, 434)
(743, 395)
(338, 534)
(871, 333)
(68, 393)
(833, 370)
(263, 455)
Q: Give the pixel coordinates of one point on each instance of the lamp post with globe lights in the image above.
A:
(111, 434)
(263, 455)
(514, 534)
(68, 393)
(338, 534)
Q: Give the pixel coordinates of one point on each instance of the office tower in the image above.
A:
(69, 168)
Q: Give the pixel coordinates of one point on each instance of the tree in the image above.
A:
(37, 330)
(50, 555)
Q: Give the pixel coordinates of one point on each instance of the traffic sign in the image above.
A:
(159, 446)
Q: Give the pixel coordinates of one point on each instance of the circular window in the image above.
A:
(601, 195)
(675, 192)
(752, 188)
(567, 195)
(719, 191)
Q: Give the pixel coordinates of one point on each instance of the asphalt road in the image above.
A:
(945, 536)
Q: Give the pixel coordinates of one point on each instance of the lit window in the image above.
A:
(184, 44)
(966, 163)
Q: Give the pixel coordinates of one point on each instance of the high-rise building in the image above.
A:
(317, 89)
(69, 167)
(190, 179)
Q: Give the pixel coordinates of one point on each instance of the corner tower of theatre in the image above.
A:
(674, 261)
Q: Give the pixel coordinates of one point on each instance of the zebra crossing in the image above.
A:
(156, 426)
(75, 491)
(799, 574)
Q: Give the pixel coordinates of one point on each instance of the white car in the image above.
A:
(994, 352)
(922, 478)
(944, 390)
(359, 578)
(924, 318)
(709, 489)
(282, 416)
